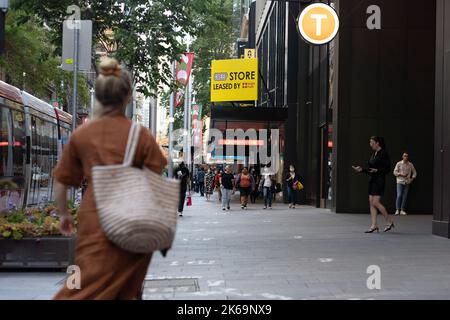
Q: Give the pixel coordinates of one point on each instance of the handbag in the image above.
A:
(137, 207)
(298, 185)
(189, 200)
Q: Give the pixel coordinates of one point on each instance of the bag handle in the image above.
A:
(133, 139)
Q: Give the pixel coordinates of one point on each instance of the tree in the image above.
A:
(29, 62)
(145, 33)
(215, 40)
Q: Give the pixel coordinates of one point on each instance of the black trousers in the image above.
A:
(202, 188)
(254, 196)
(182, 199)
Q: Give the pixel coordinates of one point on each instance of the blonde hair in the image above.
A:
(113, 87)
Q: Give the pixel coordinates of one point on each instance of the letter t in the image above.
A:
(318, 18)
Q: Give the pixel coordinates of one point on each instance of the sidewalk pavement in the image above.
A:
(302, 253)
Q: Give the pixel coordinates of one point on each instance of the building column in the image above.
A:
(441, 196)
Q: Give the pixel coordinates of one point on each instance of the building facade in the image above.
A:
(389, 82)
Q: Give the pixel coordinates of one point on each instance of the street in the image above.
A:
(305, 253)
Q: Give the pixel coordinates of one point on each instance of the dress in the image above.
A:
(107, 272)
(209, 181)
(380, 161)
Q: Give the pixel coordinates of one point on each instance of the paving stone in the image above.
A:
(305, 253)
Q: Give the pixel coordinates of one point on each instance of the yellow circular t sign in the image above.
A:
(318, 23)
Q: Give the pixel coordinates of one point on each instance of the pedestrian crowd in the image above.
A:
(251, 185)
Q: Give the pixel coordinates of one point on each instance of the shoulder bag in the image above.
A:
(136, 206)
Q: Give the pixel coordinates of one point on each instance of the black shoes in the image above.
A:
(372, 230)
(389, 227)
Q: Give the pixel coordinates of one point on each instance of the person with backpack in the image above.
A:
(246, 184)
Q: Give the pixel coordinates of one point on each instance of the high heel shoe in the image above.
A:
(389, 227)
(371, 230)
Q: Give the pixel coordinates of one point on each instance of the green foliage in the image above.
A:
(215, 40)
(145, 33)
(16, 217)
(33, 222)
(29, 61)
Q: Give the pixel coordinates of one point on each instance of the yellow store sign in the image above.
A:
(234, 80)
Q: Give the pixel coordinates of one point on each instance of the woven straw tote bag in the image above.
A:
(137, 207)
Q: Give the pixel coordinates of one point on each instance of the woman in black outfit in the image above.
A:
(378, 166)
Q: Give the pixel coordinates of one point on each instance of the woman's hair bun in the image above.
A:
(110, 67)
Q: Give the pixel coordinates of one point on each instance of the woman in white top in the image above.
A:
(405, 173)
(266, 185)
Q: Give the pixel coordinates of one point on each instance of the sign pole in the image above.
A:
(75, 85)
(189, 123)
(75, 76)
(172, 102)
(185, 125)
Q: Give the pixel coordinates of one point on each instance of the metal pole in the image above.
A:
(171, 109)
(153, 109)
(134, 110)
(185, 125)
(75, 85)
(92, 102)
(75, 76)
(189, 122)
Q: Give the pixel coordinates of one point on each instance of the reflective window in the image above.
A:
(44, 151)
(11, 183)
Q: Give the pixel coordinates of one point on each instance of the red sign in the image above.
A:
(183, 73)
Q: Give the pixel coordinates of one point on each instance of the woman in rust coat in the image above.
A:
(106, 271)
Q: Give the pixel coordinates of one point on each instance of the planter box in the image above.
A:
(46, 252)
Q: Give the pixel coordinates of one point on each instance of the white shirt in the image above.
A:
(267, 181)
(405, 168)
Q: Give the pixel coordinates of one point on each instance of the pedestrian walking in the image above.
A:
(255, 190)
(217, 184)
(182, 174)
(406, 173)
(209, 183)
(107, 271)
(379, 165)
(227, 187)
(267, 185)
(201, 181)
(246, 184)
(294, 185)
